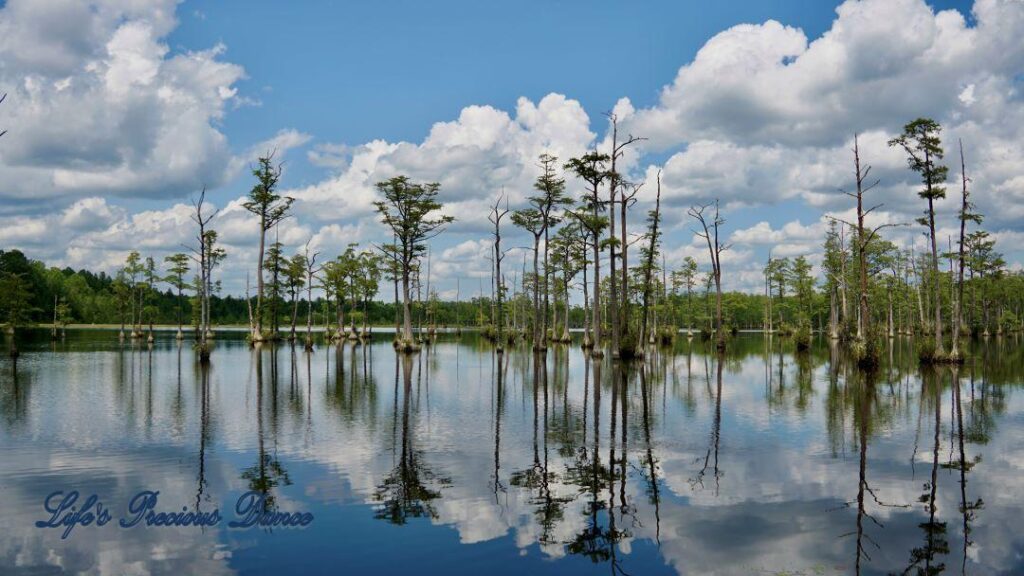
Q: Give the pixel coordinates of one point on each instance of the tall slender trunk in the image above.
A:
(596, 321)
(649, 268)
(406, 309)
(624, 315)
(500, 312)
(587, 326)
(179, 305)
(613, 302)
(295, 311)
(538, 335)
(257, 323)
(958, 309)
(936, 289)
(891, 334)
(547, 289)
(309, 311)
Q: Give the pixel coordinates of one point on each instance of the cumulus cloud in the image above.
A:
(763, 115)
(472, 157)
(99, 104)
(763, 119)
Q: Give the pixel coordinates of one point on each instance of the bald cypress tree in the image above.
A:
(923, 146)
(550, 203)
(592, 169)
(270, 208)
(409, 210)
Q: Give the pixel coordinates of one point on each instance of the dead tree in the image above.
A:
(497, 213)
(864, 238)
(715, 249)
(311, 270)
(965, 215)
(614, 181)
(203, 256)
(625, 201)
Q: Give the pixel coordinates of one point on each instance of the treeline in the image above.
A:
(96, 298)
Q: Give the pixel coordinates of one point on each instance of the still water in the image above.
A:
(762, 461)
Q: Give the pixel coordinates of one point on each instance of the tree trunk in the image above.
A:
(538, 335)
(613, 302)
(295, 312)
(958, 309)
(257, 323)
(624, 315)
(407, 341)
(936, 289)
(596, 319)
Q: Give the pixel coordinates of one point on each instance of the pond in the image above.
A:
(454, 460)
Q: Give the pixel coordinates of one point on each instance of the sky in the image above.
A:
(120, 111)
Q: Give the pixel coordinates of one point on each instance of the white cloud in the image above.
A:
(762, 119)
(99, 104)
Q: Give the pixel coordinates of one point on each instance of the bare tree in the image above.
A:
(715, 249)
(497, 213)
(625, 201)
(965, 216)
(204, 256)
(864, 238)
(311, 269)
(614, 181)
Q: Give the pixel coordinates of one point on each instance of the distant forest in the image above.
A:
(90, 298)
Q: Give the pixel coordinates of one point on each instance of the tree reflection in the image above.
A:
(711, 456)
(405, 492)
(599, 537)
(204, 432)
(649, 461)
(968, 509)
(866, 416)
(924, 560)
(538, 478)
(16, 398)
(499, 364)
(354, 390)
(268, 473)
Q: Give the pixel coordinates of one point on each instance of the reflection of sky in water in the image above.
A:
(398, 462)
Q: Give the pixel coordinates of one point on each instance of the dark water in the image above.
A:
(763, 461)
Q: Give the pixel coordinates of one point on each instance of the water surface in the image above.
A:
(761, 461)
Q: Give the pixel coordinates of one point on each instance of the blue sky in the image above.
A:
(357, 71)
(118, 113)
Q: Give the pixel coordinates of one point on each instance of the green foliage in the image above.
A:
(15, 299)
(927, 352)
(264, 201)
(785, 329)
(407, 210)
(922, 143)
(802, 337)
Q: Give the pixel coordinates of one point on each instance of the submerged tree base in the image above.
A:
(587, 343)
(407, 346)
(937, 357)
